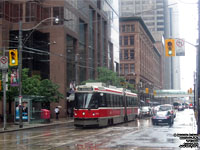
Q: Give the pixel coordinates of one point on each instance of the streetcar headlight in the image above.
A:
(93, 114)
(75, 114)
(83, 113)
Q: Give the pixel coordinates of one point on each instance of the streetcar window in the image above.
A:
(121, 101)
(111, 100)
(114, 101)
(108, 100)
(87, 100)
(103, 100)
(118, 102)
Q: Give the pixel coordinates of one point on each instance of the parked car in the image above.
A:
(163, 117)
(168, 107)
(146, 111)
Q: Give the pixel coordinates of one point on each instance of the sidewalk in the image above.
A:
(15, 127)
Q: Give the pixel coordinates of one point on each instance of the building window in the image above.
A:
(125, 40)
(132, 55)
(1, 9)
(160, 18)
(30, 11)
(123, 28)
(16, 12)
(125, 54)
(131, 40)
(132, 68)
(120, 40)
(128, 28)
(132, 28)
(160, 23)
(121, 69)
(120, 55)
(126, 69)
(160, 29)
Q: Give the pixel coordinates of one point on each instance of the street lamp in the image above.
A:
(20, 61)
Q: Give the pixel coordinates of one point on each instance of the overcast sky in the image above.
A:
(188, 21)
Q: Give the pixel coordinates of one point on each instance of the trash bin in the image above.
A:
(45, 114)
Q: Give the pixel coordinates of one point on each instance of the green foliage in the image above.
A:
(111, 78)
(50, 91)
(34, 86)
(88, 81)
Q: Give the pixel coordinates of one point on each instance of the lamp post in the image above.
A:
(20, 61)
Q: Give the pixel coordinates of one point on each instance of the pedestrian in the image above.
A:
(57, 111)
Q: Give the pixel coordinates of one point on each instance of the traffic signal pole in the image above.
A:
(20, 75)
(4, 95)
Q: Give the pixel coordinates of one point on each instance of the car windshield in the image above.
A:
(165, 108)
(145, 108)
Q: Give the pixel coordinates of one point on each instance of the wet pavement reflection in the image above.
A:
(134, 135)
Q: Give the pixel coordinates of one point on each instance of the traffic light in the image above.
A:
(170, 47)
(13, 57)
(147, 90)
(190, 90)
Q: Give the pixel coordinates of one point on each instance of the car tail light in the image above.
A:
(172, 112)
(154, 117)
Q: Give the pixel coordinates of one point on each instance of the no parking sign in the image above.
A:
(180, 47)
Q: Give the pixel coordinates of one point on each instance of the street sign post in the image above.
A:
(3, 62)
(180, 47)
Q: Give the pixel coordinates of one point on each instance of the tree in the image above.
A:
(34, 86)
(50, 91)
(111, 78)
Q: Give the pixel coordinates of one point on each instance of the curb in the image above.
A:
(38, 126)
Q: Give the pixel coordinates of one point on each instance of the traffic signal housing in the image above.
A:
(13, 57)
(170, 47)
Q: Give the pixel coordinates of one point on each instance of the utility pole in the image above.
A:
(76, 69)
(20, 75)
(4, 96)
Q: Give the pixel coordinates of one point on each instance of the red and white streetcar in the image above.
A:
(98, 105)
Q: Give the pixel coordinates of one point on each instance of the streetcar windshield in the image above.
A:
(86, 100)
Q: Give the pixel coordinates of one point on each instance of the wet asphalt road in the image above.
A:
(135, 135)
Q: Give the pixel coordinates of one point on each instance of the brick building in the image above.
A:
(141, 63)
(64, 51)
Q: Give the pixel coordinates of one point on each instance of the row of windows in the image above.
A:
(127, 28)
(13, 12)
(127, 54)
(124, 68)
(126, 40)
(111, 100)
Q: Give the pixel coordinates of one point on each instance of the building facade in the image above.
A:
(66, 51)
(140, 60)
(151, 11)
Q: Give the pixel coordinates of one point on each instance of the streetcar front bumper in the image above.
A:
(86, 122)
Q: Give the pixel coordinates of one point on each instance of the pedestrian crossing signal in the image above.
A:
(170, 47)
